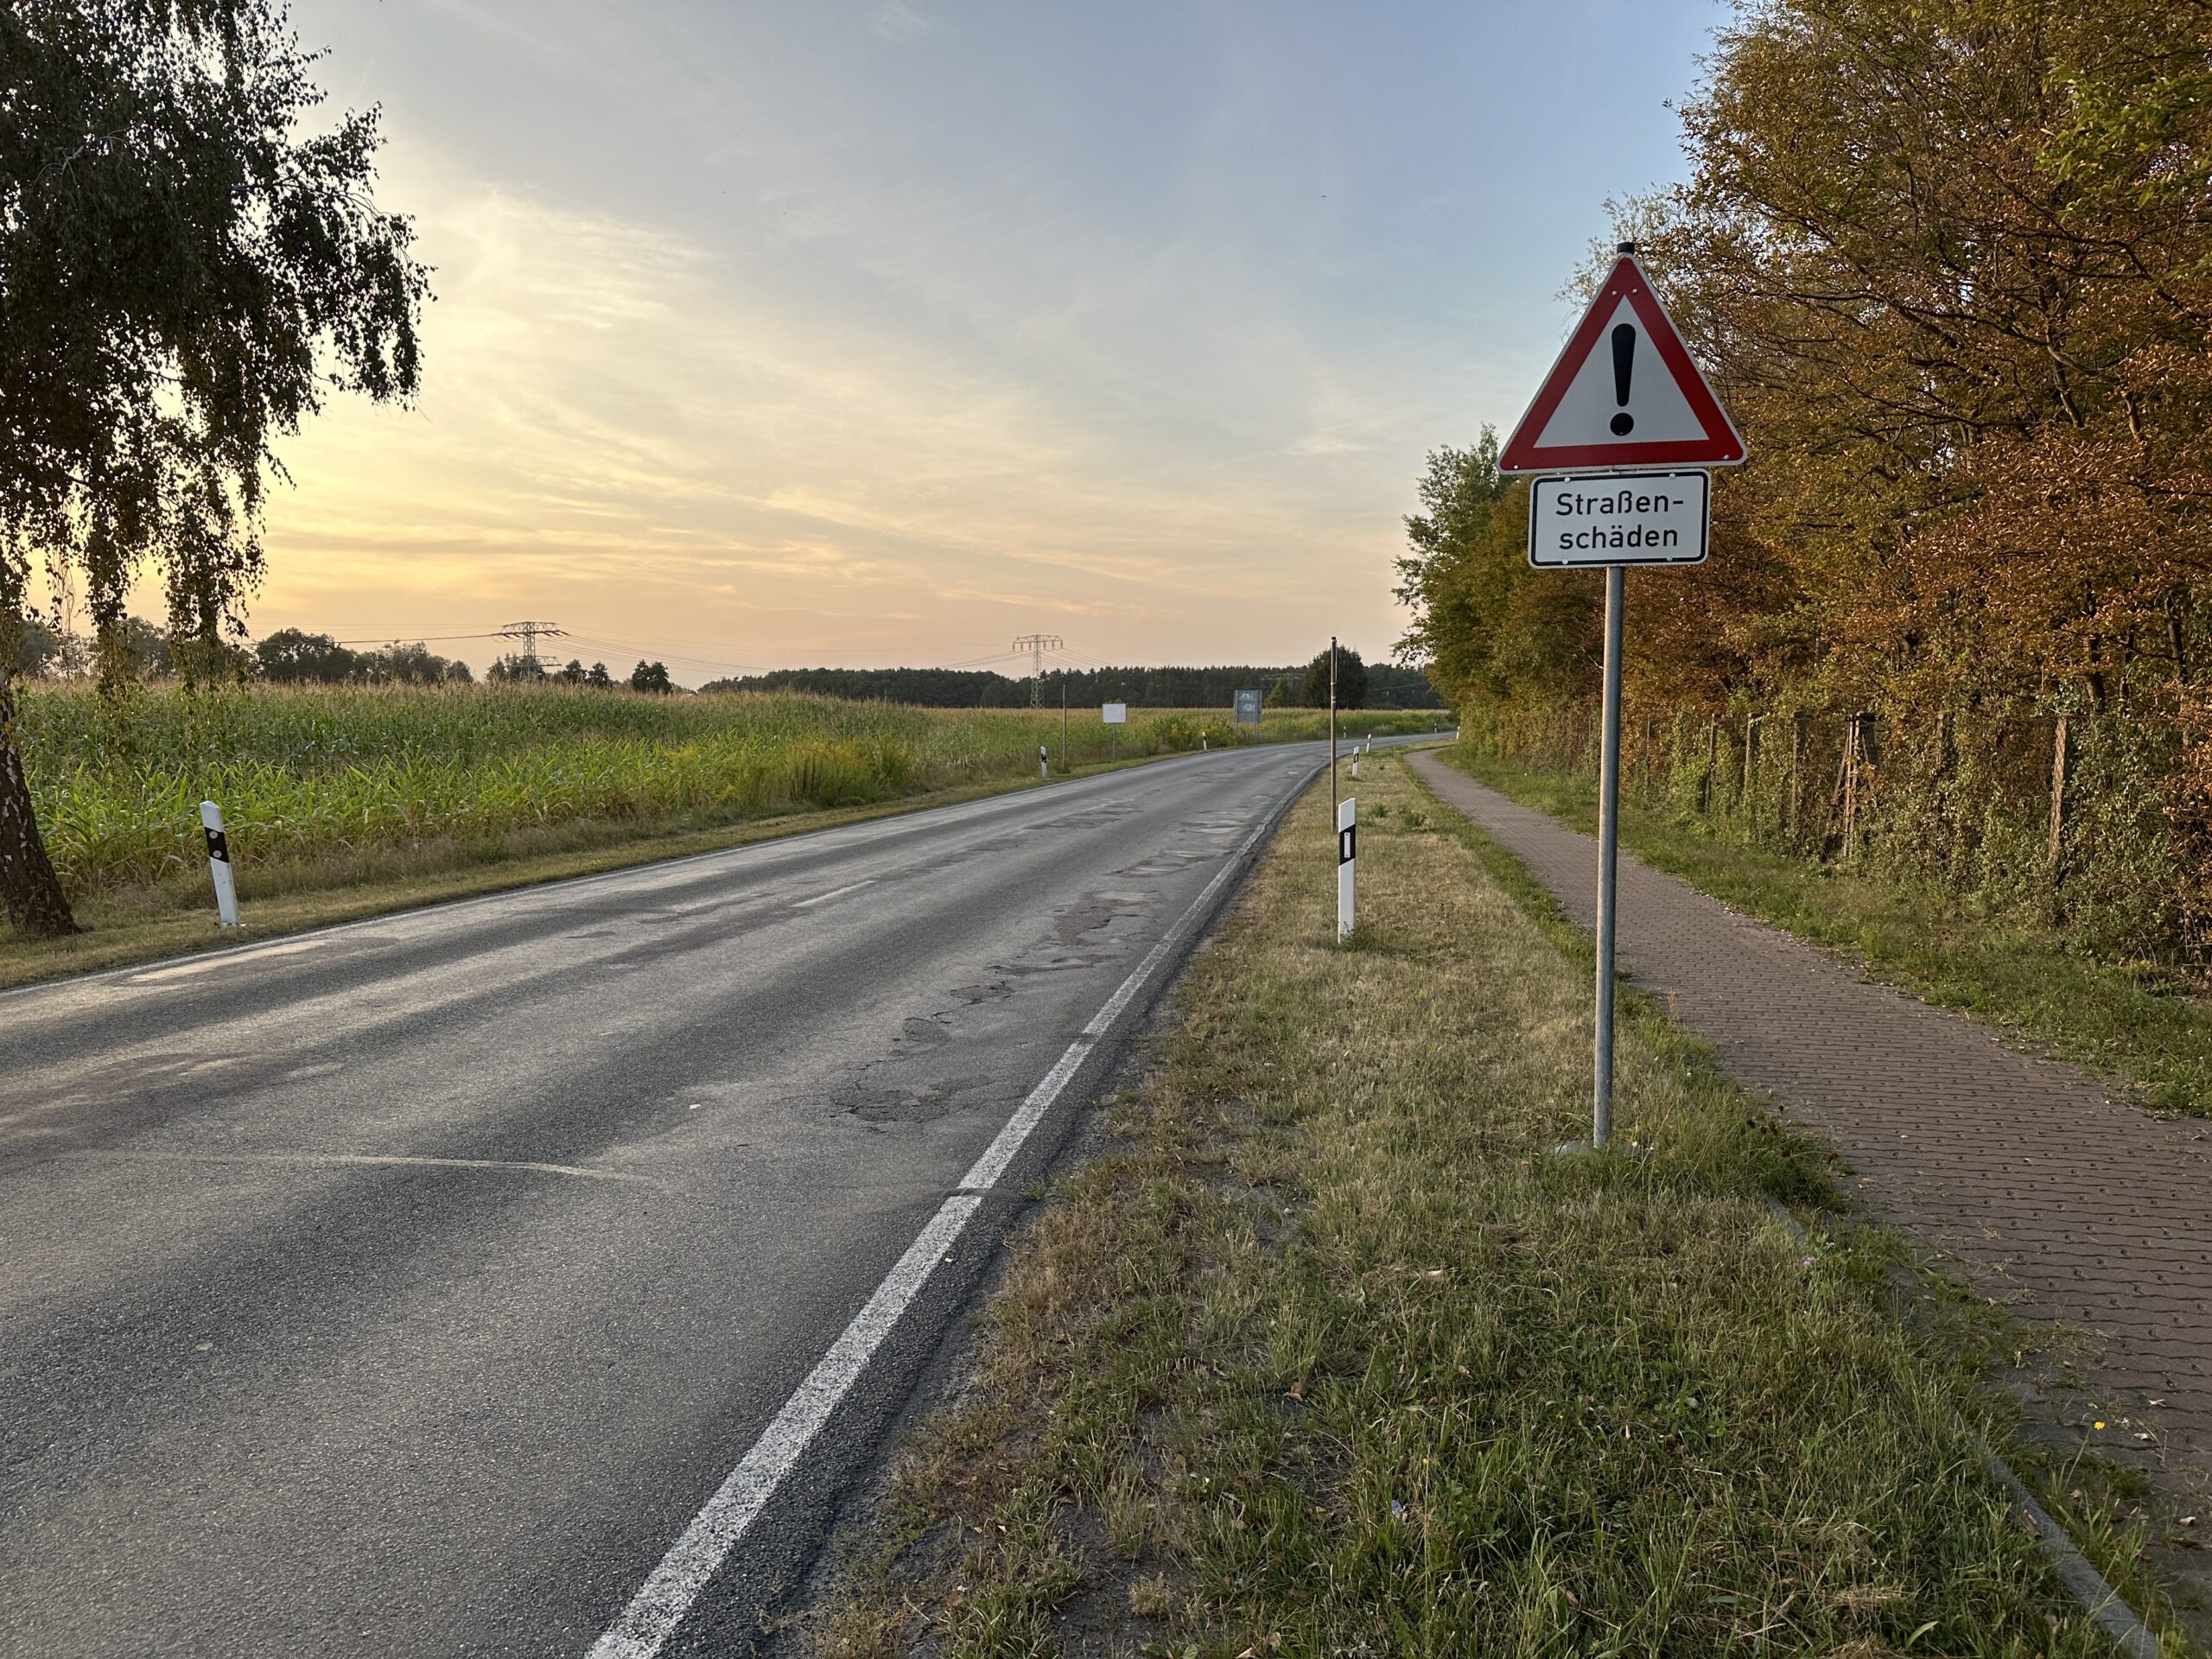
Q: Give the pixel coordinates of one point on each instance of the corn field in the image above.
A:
(308, 773)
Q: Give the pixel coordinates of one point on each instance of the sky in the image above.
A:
(884, 332)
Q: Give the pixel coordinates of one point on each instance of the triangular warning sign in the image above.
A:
(1623, 393)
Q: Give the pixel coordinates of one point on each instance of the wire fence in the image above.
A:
(2078, 819)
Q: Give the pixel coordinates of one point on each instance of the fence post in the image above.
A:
(1750, 750)
(2057, 797)
(1712, 762)
(1796, 754)
(1850, 785)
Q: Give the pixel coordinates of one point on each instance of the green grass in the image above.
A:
(2141, 1026)
(1332, 1354)
(339, 789)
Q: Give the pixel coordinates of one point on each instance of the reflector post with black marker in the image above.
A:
(219, 863)
(1347, 857)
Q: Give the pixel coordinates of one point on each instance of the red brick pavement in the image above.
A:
(2061, 1201)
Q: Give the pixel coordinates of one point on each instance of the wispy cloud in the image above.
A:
(893, 19)
(841, 332)
(614, 425)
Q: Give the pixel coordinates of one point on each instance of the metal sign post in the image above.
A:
(1608, 823)
(1623, 395)
(1332, 717)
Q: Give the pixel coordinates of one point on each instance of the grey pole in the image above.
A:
(1334, 797)
(1608, 820)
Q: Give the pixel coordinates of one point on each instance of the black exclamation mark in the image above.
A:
(1624, 366)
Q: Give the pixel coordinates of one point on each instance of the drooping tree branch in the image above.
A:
(186, 271)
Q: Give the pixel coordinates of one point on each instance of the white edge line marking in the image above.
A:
(666, 1596)
(833, 893)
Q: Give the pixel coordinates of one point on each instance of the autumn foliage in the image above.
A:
(1950, 266)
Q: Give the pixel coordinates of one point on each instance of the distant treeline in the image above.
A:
(1140, 688)
(294, 657)
(143, 650)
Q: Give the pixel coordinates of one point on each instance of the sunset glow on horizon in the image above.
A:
(882, 334)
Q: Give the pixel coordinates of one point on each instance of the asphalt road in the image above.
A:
(407, 1288)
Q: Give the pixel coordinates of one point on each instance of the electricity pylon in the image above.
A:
(529, 633)
(1037, 644)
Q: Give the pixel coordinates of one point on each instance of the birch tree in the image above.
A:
(190, 264)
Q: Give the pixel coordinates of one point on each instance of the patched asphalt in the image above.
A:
(406, 1288)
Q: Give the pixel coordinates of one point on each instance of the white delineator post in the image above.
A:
(219, 862)
(1347, 858)
(1043, 762)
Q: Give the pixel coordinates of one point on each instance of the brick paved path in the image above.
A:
(2062, 1202)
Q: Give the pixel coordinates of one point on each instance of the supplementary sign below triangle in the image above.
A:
(1623, 393)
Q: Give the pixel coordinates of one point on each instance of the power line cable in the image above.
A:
(665, 642)
(402, 638)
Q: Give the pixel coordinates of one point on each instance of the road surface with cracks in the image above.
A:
(413, 1287)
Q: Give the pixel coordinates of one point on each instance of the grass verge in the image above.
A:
(1332, 1354)
(2137, 1025)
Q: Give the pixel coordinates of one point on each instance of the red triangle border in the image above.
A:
(1720, 446)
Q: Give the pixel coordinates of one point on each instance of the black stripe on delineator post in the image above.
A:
(1347, 845)
(219, 846)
